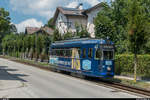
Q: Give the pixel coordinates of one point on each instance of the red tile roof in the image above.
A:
(32, 30)
(47, 30)
(68, 12)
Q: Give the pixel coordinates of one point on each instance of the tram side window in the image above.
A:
(64, 53)
(53, 52)
(84, 53)
(98, 54)
(90, 52)
(79, 52)
(68, 53)
(56, 52)
(60, 53)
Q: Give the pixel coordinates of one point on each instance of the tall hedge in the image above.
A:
(124, 64)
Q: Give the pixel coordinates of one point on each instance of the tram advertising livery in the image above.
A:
(89, 57)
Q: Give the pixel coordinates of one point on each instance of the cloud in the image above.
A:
(93, 2)
(45, 8)
(72, 5)
(28, 23)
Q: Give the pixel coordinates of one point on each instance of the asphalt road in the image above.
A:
(23, 81)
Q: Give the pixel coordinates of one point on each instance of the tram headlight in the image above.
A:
(109, 68)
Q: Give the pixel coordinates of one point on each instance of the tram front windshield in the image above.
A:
(108, 55)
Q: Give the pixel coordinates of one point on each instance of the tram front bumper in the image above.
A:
(107, 74)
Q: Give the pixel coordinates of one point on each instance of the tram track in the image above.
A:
(121, 86)
(101, 81)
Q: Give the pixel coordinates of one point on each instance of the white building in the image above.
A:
(92, 13)
(65, 19)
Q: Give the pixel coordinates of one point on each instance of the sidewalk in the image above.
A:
(131, 78)
(10, 84)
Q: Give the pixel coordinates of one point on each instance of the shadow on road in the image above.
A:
(6, 75)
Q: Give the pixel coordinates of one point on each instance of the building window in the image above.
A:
(93, 19)
(70, 24)
(61, 18)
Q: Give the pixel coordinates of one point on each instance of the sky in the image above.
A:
(36, 13)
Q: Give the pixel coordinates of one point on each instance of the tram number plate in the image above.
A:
(108, 62)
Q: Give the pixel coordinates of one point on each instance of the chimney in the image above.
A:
(80, 6)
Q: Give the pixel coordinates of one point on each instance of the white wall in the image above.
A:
(60, 23)
(77, 20)
(90, 23)
(87, 22)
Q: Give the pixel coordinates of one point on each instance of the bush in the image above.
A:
(124, 64)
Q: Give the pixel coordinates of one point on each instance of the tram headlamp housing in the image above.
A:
(109, 68)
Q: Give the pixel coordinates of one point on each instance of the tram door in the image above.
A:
(75, 59)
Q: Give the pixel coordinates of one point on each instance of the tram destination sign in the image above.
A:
(107, 46)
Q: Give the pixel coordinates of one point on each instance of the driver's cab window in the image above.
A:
(108, 55)
(98, 54)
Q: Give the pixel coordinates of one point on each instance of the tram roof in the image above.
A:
(82, 41)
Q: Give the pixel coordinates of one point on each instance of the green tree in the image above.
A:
(33, 46)
(104, 24)
(56, 36)
(145, 4)
(81, 31)
(26, 46)
(50, 23)
(13, 28)
(67, 35)
(4, 24)
(138, 28)
(5, 44)
(119, 12)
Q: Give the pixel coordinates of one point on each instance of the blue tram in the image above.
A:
(89, 57)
